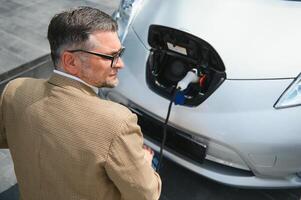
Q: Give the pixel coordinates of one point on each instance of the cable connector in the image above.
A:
(191, 77)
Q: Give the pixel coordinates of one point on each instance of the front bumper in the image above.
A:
(234, 174)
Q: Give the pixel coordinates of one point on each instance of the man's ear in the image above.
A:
(70, 63)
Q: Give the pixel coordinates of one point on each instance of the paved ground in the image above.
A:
(23, 26)
(7, 174)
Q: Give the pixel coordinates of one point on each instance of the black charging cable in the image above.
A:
(174, 93)
(192, 76)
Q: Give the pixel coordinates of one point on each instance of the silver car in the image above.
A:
(239, 122)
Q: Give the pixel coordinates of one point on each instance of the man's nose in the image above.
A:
(120, 63)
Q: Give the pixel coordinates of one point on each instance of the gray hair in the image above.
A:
(72, 28)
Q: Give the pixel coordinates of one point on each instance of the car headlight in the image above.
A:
(125, 14)
(291, 96)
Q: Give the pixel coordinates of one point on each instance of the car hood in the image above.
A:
(256, 39)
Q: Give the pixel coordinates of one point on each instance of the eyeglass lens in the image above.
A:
(116, 57)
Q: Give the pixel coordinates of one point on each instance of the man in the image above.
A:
(66, 143)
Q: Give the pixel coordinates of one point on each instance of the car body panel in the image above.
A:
(237, 122)
(265, 33)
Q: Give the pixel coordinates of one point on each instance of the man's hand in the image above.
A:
(149, 154)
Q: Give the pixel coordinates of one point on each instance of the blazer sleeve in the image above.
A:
(3, 139)
(127, 167)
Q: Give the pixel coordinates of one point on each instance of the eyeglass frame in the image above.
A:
(114, 58)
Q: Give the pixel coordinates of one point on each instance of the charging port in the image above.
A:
(173, 53)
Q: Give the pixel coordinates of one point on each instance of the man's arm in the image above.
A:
(3, 140)
(129, 168)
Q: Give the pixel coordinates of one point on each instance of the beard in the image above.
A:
(110, 83)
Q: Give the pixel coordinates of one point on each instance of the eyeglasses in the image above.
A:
(114, 58)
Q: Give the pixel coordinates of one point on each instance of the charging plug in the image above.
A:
(191, 77)
(179, 98)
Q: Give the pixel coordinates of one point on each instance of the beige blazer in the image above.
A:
(66, 143)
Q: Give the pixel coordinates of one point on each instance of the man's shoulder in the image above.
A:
(26, 79)
(115, 109)
(112, 111)
(23, 83)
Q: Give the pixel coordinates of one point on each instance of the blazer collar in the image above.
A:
(68, 83)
